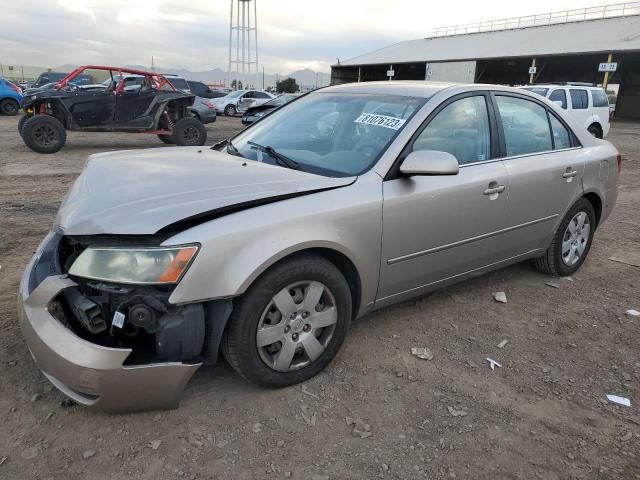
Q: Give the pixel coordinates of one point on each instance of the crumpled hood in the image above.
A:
(142, 191)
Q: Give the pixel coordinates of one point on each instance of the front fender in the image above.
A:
(238, 248)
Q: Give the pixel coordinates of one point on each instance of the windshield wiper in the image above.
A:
(280, 158)
(231, 149)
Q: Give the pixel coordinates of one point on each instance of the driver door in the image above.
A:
(92, 109)
(441, 228)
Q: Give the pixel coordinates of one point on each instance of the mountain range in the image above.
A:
(304, 78)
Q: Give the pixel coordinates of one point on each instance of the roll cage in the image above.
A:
(154, 80)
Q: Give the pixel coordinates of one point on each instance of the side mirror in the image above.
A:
(429, 162)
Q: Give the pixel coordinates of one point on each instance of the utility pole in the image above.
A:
(243, 46)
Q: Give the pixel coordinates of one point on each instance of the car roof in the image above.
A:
(408, 88)
(556, 85)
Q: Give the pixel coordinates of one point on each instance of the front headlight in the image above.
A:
(134, 265)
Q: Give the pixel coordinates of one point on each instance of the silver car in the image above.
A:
(266, 246)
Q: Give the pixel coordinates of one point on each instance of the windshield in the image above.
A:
(538, 90)
(332, 134)
(235, 94)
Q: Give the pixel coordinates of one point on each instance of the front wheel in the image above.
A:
(291, 322)
(189, 132)
(571, 242)
(230, 111)
(44, 134)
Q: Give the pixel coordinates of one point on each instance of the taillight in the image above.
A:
(208, 104)
(619, 159)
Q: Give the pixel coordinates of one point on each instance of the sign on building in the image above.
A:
(533, 70)
(608, 67)
(391, 73)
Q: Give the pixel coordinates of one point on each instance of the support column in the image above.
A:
(605, 82)
(359, 74)
(532, 76)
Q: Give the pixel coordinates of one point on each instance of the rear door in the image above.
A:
(545, 168)
(437, 228)
(579, 106)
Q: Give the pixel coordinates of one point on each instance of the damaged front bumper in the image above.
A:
(91, 374)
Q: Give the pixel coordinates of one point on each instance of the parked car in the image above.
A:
(54, 77)
(253, 114)
(10, 97)
(204, 110)
(588, 104)
(154, 106)
(202, 90)
(269, 244)
(240, 100)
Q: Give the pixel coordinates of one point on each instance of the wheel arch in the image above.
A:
(329, 252)
(596, 203)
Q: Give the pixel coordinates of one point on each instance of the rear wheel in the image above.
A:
(8, 106)
(189, 132)
(230, 111)
(572, 241)
(44, 134)
(290, 324)
(595, 130)
(168, 139)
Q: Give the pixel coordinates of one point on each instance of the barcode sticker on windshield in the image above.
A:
(380, 121)
(118, 319)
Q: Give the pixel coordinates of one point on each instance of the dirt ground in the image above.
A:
(543, 415)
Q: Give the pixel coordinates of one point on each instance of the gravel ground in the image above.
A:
(543, 415)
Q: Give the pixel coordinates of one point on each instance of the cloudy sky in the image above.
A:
(194, 34)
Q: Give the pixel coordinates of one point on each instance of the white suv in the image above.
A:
(587, 104)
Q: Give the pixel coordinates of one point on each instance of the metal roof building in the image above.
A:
(553, 47)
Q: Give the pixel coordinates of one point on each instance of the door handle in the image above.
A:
(494, 190)
(570, 174)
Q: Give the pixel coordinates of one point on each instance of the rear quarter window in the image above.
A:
(600, 98)
(579, 99)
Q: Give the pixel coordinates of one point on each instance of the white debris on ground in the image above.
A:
(633, 313)
(423, 353)
(503, 343)
(493, 364)
(619, 400)
(500, 297)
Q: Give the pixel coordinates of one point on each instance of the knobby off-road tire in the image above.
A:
(44, 134)
(189, 132)
(23, 119)
(168, 139)
(298, 278)
(571, 242)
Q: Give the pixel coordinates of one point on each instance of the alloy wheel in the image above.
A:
(575, 238)
(44, 135)
(296, 326)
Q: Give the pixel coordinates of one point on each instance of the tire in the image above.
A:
(230, 110)
(595, 130)
(189, 132)
(257, 308)
(44, 134)
(9, 106)
(23, 119)
(168, 139)
(553, 262)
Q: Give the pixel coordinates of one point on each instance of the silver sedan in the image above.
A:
(265, 247)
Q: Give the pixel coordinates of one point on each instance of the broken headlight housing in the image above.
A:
(157, 265)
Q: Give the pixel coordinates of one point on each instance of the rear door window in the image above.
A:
(461, 129)
(525, 124)
(559, 96)
(579, 99)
